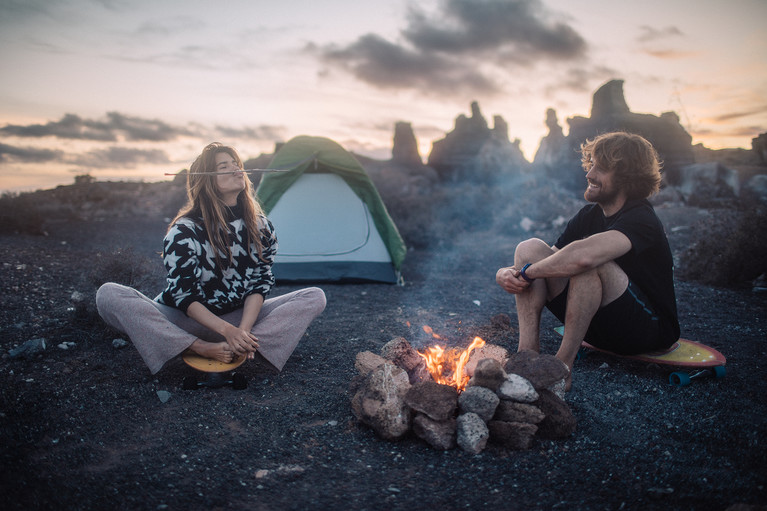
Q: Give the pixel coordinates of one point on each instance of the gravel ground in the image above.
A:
(85, 428)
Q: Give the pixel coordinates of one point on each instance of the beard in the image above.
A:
(600, 195)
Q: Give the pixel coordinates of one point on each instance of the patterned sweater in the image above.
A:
(195, 276)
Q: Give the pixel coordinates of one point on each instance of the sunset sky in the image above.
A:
(130, 89)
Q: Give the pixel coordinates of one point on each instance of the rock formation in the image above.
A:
(475, 151)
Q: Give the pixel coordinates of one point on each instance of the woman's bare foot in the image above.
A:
(215, 350)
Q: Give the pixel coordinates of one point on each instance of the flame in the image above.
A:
(429, 330)
(446, 366)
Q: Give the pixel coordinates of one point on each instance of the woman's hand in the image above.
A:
(241, 341)
(510, 280)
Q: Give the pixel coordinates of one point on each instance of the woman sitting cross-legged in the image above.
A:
(218, 253)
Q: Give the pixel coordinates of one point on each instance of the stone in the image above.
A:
(119, 343)
(513, 435)
(366, 361)
(705, 184)
(380, 403)
(163, 395)
(510, 411)
(29, 349)
(516, 388)
(493, 351)
(489, 373)
(479, 400)
(437, 401)
(405, 147)
(471, 433)
(559, 421)
(401, 353)
(541, 370)
(438, 434)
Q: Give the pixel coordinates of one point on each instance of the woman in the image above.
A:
(218, 253)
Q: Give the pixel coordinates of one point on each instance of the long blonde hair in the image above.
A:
(204, 200)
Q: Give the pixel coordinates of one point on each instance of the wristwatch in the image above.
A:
(522, 273)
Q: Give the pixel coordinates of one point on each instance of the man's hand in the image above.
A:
(511, 281)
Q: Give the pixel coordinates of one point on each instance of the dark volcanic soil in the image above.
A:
(85, 428)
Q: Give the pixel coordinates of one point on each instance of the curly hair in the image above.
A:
(633, 159)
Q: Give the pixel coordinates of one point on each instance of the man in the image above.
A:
(609, 277)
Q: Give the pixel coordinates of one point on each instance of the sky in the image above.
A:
(131, 89)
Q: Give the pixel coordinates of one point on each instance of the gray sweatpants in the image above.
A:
(160, 332)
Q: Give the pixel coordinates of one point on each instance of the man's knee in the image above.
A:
(533, 249)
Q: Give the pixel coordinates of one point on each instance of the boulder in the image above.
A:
(380, 402)
(401, 353)
(703, 183)
(479, 400)
(437, 401)
(541, 370)
(489, 373)
(517, 388)
(493, 351)
(559, 421)
(405, 148)
(471, 433)
(513, 435)
(511, 411)
(438, 434)
(366, 361)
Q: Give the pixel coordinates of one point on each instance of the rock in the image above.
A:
(405, 148)
(380, 403)
(29, 349)
(510, 411)
(493, 351)
(759, 146)
(489, 373)
(702, 184)
(164, 395)
(471, 433)
(437, 401)
(401, 353)
(366, 361)
(539, 369)
(559, 421)
(755, 189)
(119, 343)
(419, 374)
(514, 435)
(438, 434)
(516, 388)
(479, 400)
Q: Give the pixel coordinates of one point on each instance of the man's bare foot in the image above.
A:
(214, 350)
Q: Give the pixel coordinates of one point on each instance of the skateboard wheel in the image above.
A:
(239, 382)
(679, 379)
(190, 383)
(719, 372)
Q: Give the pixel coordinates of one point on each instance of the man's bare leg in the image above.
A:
(587, 293)
(214, 350)
(530, 304)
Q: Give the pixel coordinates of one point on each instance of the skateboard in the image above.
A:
(218, 374)
(695, 359)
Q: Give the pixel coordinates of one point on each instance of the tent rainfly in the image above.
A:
(330, 220)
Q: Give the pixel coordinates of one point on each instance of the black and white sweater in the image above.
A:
(195, 276)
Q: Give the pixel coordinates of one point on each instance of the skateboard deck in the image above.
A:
(215, 372)
(699, 359)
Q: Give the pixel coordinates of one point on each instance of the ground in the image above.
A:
(85, 428)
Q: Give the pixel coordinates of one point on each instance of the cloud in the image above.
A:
(652, 34)
(115, 126)
(726, 118)
(28, 154)
(465, 45)
(124, 157)
(669, 53)
(263, 132)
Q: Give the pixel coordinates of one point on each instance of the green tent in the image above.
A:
(330, 220)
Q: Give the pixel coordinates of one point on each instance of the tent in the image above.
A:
(330, 220)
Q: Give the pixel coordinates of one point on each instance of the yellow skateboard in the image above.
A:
(697, 359)
(217, 373)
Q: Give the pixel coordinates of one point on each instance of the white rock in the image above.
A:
(517, 388)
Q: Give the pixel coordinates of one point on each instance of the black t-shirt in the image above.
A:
(648, 264)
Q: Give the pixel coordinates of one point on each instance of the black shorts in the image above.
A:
(627, 325)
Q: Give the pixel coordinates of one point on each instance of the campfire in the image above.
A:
(450, 396)
(446, 366)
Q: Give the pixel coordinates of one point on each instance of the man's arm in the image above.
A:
(580, 256)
